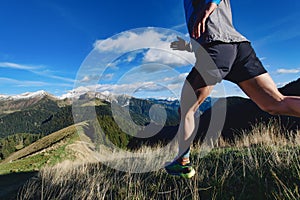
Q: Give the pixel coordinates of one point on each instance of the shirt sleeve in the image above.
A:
(214, 1)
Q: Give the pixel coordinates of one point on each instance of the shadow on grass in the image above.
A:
(11, 183)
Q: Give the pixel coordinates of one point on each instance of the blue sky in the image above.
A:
(45, 44)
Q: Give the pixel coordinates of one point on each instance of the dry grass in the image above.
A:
(270, 134)
(262, 165)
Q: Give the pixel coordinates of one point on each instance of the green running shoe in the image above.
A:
(177, 169)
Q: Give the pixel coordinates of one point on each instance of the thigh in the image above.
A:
(246, 66)
(223, 55)
(262, 90)
(214, 62)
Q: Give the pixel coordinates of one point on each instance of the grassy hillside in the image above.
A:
(47, 115)
(49, 150)
(25, 163)
(261, 165)
(15, 142)
(43, 117)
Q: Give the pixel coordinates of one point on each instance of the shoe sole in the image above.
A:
(187, 175)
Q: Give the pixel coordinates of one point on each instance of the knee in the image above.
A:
(202, 93)
(274, 108)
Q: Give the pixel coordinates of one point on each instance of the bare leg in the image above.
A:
(263, 91)
(190, 102)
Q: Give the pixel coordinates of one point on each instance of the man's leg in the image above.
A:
(263, 91)
(191, 99)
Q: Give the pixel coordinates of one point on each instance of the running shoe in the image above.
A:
(177, 169)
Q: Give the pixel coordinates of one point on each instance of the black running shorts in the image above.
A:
(235, 62)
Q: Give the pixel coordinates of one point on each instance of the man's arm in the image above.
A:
(199, 26)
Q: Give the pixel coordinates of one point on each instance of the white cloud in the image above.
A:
(39, 70)
(114, 65)
(89, 78)
(149, 68)
(175, 87)
(129, 89)
(28, 83)
(262, 58)
(155, 40)
(179, 26)
(128, 41)
(14, 82)
(159, 87)
(177, 79)
(183, 75)
(18, 66)
(131, 58)
(108, 76)
(85, 79)
(168, 57)
(288, 71)
(50, 75)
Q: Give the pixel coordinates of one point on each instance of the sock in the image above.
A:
(185, 157)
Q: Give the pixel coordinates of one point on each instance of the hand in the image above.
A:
(199, 27)
(200, 23)
(180, 44)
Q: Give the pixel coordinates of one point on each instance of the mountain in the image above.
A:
(34, 115)
(10, 104)
(241, 116)
(174, 103)
(25, 118)
(43, 144)
(63, 147)
(236, 120)
(27, 95)
(291, 89)
(42, 113)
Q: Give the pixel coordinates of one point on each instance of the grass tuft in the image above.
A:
(260, 165)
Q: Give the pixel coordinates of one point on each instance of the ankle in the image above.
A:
(183, 160)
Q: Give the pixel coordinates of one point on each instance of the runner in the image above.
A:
(210, 25)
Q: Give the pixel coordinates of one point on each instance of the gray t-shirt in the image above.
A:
(219, 25)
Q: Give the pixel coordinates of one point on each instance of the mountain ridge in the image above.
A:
(242, 114)
(43, 114)
(41, 144)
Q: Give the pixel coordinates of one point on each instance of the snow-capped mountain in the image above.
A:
(26, 95)
(13, 103)
(83, 93)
